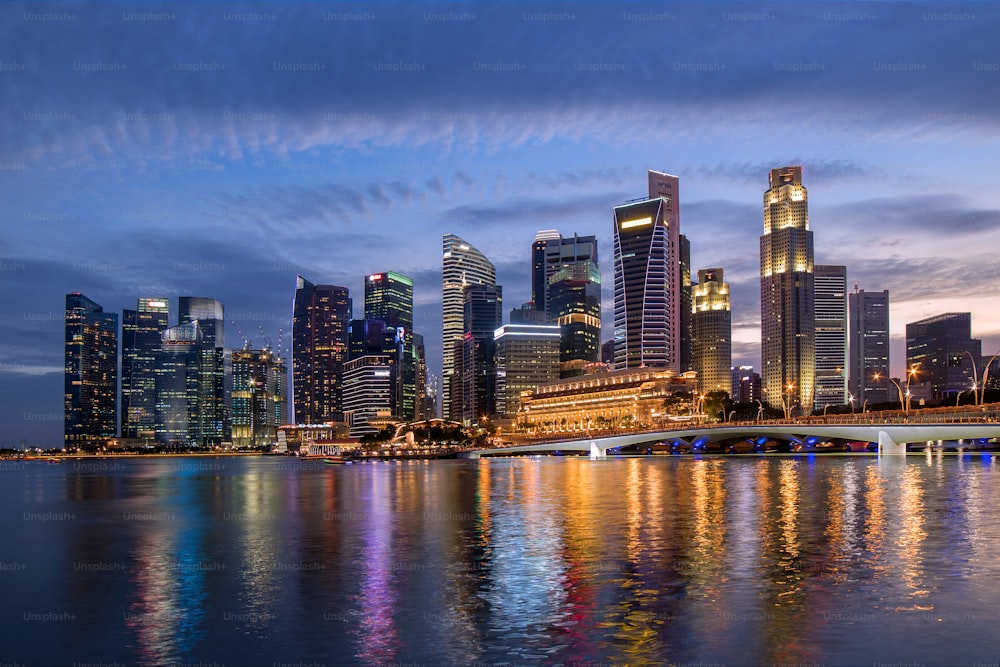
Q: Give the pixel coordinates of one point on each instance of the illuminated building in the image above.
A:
(787, 316)
(367, 391)
(483, 315)
(711, 328)
(614, 399)
(830, 284)
(461, 265)
(575, 305)
(939, 348)
(91, 375)
(527, 355)
(178, 381)
(665, 185)
(648, 279)
(258, 397)
(746, 385)
(550, 254)
(868, 376)
(389, 297)
(141, 330)
(424, 403)
(216, 372)
(320, 318)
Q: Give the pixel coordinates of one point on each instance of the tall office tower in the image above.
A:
(320, 318)
(216, 367)
(180, 422)
(939, 348)
(421, 409)
(746, 385)
(258, 397)
(574, 294)
(551, 253)
(389, 297)
(141, 330)
(868, 374)
(483, 316)
(711, 328)
(830, 284)
(527, 355)
(648, 279)
(91, 376)
(687, 309)
(367, 391)
(787, 316)
(461, 265)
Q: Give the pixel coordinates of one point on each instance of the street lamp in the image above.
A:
(760, 410)
(975, 380)
(851, 398)
(986, 374)
(787, 405)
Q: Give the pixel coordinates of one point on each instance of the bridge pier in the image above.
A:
(468, 455)
(596, 452)
(888, 446)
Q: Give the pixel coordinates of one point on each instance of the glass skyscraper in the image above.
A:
(575, 305)
(141, 331)
(551, 253)
(320, 318)
(258, 397)
(712, 339)
(389, 298)
(830, 284)
(787, 296)
(937, 347)
(483, 315)
(91, 374)
(868, 377)
(216, 370)
(527, 355)
(461, 265)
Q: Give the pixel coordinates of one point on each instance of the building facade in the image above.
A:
(550, 254)
(461, 265)
(830, 285)
(258, 397)
(367, 392)
(320, 318)
(787, 297)
(575, 305)
(90, 401)
(141, 331)
(527, 355)
(868, 374)
(746, 385)
(943, 351)
(647, 297)
(215, 366)
(712, 338)
(389, 297)
(483, 315)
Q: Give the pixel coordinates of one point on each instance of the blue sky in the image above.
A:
(219, 149)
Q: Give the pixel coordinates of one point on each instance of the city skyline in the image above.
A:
(139, 159)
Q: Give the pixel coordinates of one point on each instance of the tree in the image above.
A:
(717, 404)
(679, 404)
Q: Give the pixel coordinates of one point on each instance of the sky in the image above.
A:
(219, 149)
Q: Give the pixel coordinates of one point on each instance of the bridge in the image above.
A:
(891, 430)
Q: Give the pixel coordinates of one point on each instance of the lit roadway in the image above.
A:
(891, 430)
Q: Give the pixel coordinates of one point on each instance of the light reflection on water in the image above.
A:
(746, 560)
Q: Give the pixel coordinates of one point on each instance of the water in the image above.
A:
(840, 560)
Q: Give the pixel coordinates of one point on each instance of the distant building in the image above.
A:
(615, 399)
(712, 336)
(939, 348)
(367, 392)
(389, 298)
(91, 374)
(648, 286)
(608, 352)
(320, 318)
(461, 265)
(830, 285)
(483, 316)
(258, 397)
(180, 421)
(575, 304)
(215, 367)
(787, 300)
(141, 331)
(550, 254)
(868, 374)
(527, 355)
(746, 385)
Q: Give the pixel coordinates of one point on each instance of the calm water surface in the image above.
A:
(741, 561)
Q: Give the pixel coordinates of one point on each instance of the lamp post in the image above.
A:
(851, 399)
(986, 374)
(787, 405)
(975, 380)
(760, 410)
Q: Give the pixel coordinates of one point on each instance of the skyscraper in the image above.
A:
(551, 253)
(320, 318)
(787, 317)
(180, 421)
(367, 392)
(527, 355)
(830, 284)
(575, 304)
(141, 330)
(482, 317)
(258, 397)
(91, 375)
(711, 326)
(461, 265)
(215, 365)
(868, 377)
(665, 185)
(940, 348)
(648, 279)
(389, 297)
